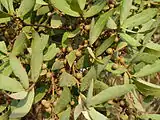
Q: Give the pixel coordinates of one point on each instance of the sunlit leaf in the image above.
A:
(148, 69)
(110, 93)
(9, 84)
(19, 71)
(37, 56)
(140, 18)
(99, 25)
(51, 53)
(25, 7)
(95, 8)
(19, 95)
(65, 115)
(24, 106)
(71, 58)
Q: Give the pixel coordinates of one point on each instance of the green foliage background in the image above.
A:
(79, 59)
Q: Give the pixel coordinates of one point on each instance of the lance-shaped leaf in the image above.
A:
(150, 116)
(19, 71)
(125, 10)
(153, 46)
(110, 93)
(95, 115)
(99, 25)
(86, 80)
(19, 95)
(3, 47)
(130, 40)
(140, 18)
(75, 6)
(64, 6)
(37, 56)
(95, 8)
(148, 69)
(103, 47)
(63, 101)
(25, 7)
(5, 111)
(4, 14)
(19, 44)
(9, 84)
(23, 107)
(8, 4)
(51, 53)
(65, 115)
(147, 88)
(82, 3)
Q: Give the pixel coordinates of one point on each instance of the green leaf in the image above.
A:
(57, 65)
(110, 93)
(19, 44)
(86, 80)
(67, 79)
(24, 106)
(9, 84)
(125, 10)
(145, 57)
(63, 101)
(19, 95)
(4, 14)
(99, 25)
(150, 117)
(75, 6)
(95, 8)
(44, 40)
(77, 111)
(148, 69)
(147, 88)
(7, 71)
(19, 71)
(103, 47)
(111, 24)
(41, 2)
(121, 45)
(37, 56)
(3, 47)
(56, 21)
(95, 115)
(8, 4)
(130, 40)
(90, 91)
(82, 3)
(71, 58)
(140, 18)
(51, 53)
(153, 46)
(42, 10)
(118, 71)
(25, 7)
(5, 111)
(63, 6)
(65, 115)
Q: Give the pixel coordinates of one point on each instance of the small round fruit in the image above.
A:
(49, 75)
(44, 66)
(109, 51)
(43, 102)
(49, 14)
(79, 75)
(116, 39)
(115, 66)
(87, 27)
(47, 104)
(78, 53)
(122, 103)
(63, 50)
(72, 102)
(69, 49)
(122, 60)
(49, 110)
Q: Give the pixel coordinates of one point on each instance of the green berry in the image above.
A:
(79, 75)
